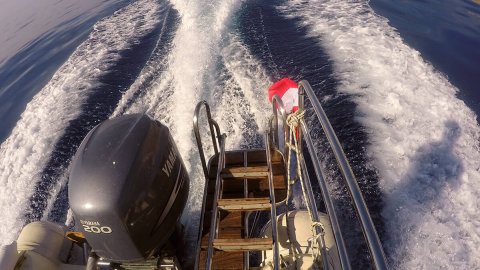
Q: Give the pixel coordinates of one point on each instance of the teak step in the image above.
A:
(245, 172)
(246, 244)
(244, 204)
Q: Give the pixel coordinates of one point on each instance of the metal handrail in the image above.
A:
(246, 261)
(273, 208)
(277, 105)
(218, 186)
(373, 241)
(327, 199)
(271, 135)
(310, 200)
(212, 124)
(213, 128)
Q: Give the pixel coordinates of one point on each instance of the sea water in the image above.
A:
(398, 81)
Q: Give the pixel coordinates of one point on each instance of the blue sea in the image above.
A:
(398, 80)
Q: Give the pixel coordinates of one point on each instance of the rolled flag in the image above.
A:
(287, 90)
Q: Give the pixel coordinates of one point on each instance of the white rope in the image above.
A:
(293, 122)
(293, 119)
(319, 238)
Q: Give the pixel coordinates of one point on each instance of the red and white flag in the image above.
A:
(287, 90)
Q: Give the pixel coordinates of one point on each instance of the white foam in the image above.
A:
(54, 193)
(241, 104)
(192, 74)
(154, 66)
(423, 139)
(23, 155)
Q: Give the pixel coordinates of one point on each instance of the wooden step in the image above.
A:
(253, 156)
(245, 172)
(236, 185)
(230, 225)
(224, 233)
(244, 204)
(246, 244)
(259, 171)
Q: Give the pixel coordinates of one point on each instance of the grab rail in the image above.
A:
(310, 200)
(373, 241)
(273, 208)
(277, 105)
(217, 142)
(218, 187)
(307, 186)
(212, 124)
(337, 233)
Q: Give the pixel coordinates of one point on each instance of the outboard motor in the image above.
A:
(128, 187)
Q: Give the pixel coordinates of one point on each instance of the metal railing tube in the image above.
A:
(337, 233)
(246, 260)
(301, 107)
(212, 124)
(92, 261)
(368, 228)
(218, 184)
(310, 200)
(273, 209)
(277, 105)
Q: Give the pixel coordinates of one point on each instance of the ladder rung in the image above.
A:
(244, 204)
(243, 244)
(245, 172)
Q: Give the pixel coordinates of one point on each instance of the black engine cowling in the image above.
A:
(128, 187)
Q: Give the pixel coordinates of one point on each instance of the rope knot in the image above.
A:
(293, 119)
(318, 225)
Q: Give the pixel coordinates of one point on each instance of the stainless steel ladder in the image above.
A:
(237, 205)
(218, 141)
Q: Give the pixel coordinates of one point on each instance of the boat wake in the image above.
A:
(26, 152)
(217, 68)
(422, 139)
